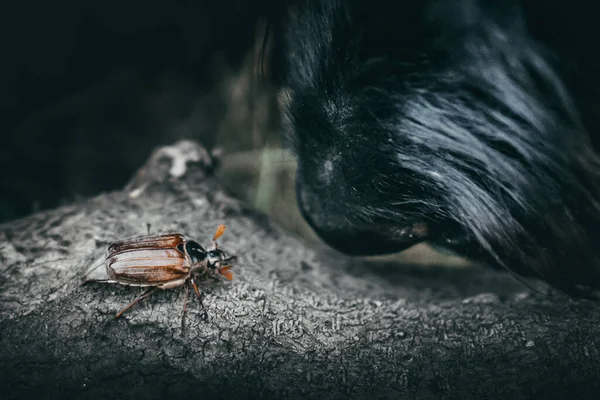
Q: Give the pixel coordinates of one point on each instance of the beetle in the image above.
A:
(164, 262)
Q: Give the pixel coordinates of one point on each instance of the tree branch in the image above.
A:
(295, 322)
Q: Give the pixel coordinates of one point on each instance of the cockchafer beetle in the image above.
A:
(164, 262)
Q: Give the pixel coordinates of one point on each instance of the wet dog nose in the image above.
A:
(344, 230)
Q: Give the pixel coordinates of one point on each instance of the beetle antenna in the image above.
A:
(225, 271)
(218, 234)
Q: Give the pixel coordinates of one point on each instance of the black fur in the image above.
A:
(472, 117)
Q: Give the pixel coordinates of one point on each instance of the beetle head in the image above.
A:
(217, 260)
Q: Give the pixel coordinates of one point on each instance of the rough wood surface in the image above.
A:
(296, 322)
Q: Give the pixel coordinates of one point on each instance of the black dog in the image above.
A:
(465, 123)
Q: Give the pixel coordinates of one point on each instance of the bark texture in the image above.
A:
(296, 322)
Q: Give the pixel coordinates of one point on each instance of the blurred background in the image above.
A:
(89, 89)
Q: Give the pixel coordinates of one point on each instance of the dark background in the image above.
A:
(88, 89)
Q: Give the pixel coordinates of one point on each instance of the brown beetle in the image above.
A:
(164, 262)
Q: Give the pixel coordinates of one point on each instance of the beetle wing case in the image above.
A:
(148, 260)
(147, 242)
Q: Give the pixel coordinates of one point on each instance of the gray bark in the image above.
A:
(296, 321)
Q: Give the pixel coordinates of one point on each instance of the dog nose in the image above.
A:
(342, 228)
(365, 242)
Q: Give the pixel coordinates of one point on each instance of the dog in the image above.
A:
(468, 124)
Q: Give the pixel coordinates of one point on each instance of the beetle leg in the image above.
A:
(199, 295)
(85, 280)
(147, 293)
(185, 300)
(228, 259)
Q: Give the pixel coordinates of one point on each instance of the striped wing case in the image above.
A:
(148, 260)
